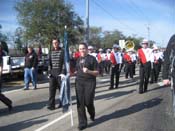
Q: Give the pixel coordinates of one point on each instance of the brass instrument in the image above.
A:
(129, 45)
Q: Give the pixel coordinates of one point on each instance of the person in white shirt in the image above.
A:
(116, 62)
(145, 57)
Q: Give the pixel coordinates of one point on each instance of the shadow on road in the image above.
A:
(21, 125)
(124, 112)
(25, 107)
(156, 88)
(112, 95)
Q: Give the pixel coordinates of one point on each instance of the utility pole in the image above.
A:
(87, 22)
(148, 29)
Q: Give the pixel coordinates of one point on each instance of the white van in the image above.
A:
(6, 65)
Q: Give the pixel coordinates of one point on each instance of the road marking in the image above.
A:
(54, 121)
(160, 83)
(7, 92)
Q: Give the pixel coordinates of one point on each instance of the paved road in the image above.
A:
(120, 109)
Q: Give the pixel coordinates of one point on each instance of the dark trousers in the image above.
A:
(144, 76)
(129, 70)
(115, 72)
(154, 73)
(107, 66)
(0, 82)
(101, 68)
(134, 67)
(54, 84)
(5, 100)
(85, 93)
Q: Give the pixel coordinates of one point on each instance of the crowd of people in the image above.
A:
(88, 63)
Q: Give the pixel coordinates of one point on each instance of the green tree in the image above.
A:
(47, 19)
(18, 39)
(3, 37)
(5, 46)
(112, 37)
(94, 37)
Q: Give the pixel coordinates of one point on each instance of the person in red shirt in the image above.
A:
(128, 65)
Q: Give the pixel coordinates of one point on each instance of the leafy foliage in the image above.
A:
(47, 19)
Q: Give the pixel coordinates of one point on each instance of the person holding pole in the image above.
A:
(56, 72)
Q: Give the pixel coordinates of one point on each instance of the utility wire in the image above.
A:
(114, 17)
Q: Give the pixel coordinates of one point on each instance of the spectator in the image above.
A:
(30, 68)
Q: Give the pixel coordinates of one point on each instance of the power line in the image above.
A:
(114, 17)
(136, 12)
(142, 14)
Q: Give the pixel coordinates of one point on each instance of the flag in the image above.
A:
(65, 83)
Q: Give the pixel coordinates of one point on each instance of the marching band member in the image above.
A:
(101, 60)
(91, 51)
(145, 56)
(134, 61)
(128, 64)
(155, 70)
(107, 61)
(116, 60)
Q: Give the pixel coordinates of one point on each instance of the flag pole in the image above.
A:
(66, 46)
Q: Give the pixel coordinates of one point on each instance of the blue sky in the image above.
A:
(132, 17)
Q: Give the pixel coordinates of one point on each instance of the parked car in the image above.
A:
(17, 65)
(6, 65)
(43, 63)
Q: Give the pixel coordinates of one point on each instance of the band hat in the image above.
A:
(108, 49)
(116, 46)
(100, 49)
(155, 47)
(90, 47)
(144, 41)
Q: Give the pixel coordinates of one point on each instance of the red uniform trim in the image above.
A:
(142, 56)
(127, 58)
(112, 58)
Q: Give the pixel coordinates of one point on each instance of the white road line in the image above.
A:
(102, 80)
(7, 92)
(160, 83)
(52, 122)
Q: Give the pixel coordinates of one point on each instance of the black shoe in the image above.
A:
(140, 92)
(82, 127)
(110, 88)
(51, 107)
(10, 107)
(92, 118)
(151, 82)
(59, 106)
(145, 90)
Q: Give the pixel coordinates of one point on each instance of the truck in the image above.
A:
(13, 66)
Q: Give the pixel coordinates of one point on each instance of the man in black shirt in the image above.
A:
(30, 69)
(86, 71)
(56, 72)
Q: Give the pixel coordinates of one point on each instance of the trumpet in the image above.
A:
(129, 45)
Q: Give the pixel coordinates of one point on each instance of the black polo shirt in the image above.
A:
(89, 62)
